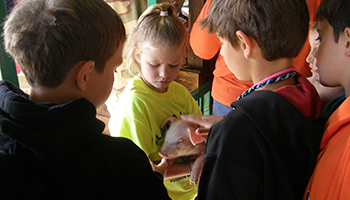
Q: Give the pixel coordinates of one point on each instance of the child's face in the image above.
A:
(314, 43)
(101, 84)
(234, 59)
(160, 67)
(329, 56)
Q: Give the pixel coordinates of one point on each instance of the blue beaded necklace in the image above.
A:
(279, 76)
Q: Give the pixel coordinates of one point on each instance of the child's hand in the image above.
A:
(203, 121)
(160, 167)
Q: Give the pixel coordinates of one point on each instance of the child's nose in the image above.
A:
(311, 57)
(164, 72)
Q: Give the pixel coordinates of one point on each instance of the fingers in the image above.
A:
(163, 163)
(202, 131)
(160, 167)
(196, 119)
(204, 121)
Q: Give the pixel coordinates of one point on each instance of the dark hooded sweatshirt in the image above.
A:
(50, 151)
(264, 149)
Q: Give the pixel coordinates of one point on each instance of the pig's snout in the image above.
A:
(161, 154)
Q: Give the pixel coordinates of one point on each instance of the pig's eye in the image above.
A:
(180, 142)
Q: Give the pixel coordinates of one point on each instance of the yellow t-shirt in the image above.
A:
(141, 113)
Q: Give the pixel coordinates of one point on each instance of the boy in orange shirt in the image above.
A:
(330, 179)
(225, 87)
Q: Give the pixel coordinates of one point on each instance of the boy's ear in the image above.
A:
(83, 73)
(347, 41)
(246, 43)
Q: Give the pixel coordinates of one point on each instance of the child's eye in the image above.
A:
(319, 38)
(173, 66)
(153, 65)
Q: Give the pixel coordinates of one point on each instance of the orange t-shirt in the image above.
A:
(331, 177)
(226, 87)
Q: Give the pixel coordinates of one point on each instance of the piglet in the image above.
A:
(180, 140)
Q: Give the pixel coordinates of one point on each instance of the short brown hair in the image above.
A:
(336, 12)
(280, 27)
(48, 37)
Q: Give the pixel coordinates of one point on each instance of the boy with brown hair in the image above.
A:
(225, 86)
(266, 147)
(51, 143)
(330, 179)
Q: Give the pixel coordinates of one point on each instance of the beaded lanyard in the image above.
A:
(279, 76)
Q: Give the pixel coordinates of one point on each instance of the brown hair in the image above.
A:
(280, 27)
(48, 37)
(336, 12)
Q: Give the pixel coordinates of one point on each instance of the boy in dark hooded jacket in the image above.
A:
(51, 144)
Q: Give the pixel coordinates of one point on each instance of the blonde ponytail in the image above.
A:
(158, 25)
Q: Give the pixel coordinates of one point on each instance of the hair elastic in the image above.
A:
(164, 13)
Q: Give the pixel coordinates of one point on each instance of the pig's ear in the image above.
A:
(194, 138)
(169, 120)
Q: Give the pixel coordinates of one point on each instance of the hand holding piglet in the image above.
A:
(160, 167)
(204, 123)
(180, 140)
